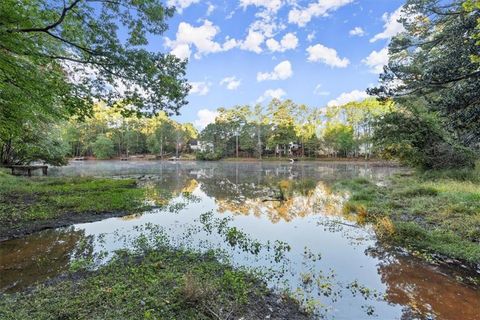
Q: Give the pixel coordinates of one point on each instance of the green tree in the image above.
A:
(418, 139)
(248, 138)
(234, 120)
(57, 57)
(261, 123)
(163, 136)
(283, 124)
(472, 6)
(80, 37)
(218, 134)
(103, 147)
(306, 124)
(339, 138)
(360, 116)
(431, 63)
(35, 141)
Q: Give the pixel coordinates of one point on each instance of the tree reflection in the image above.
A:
(276, 197)
(424, 290)
(162, 188)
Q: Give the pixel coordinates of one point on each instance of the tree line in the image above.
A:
(107, 133)
(281, 129)
(58, 59)
(284, 128)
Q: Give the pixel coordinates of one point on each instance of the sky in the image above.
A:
(315, 52)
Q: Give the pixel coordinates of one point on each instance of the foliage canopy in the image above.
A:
(432, 61)
(58, 57)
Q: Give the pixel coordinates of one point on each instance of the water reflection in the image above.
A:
(426, 291)
(329, 258)
(40, 256)
(282, 201)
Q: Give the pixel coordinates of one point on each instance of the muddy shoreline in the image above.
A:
(63, 221)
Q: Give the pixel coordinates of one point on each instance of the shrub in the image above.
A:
(418, 139)
(209, 155)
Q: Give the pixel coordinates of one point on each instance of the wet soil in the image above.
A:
(8, 232)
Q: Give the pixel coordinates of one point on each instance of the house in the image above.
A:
(200, 146)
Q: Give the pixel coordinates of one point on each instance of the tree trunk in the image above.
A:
(259, 143)
(236, 145)
(161, 149)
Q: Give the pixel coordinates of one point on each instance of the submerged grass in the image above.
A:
(161, 284)
(430, 212)
(24, 200)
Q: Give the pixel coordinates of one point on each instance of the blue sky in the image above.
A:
(316, 52)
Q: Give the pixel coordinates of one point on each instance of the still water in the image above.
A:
(281, 219)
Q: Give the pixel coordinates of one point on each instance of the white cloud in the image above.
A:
(267, 23)
(319, 92)
(376, 60)
(301, 16)
(311, 36)
(202, 38)
(288, 42)
(253, 41)
(391, 27)
(281, 72)
(271, 94)
(271, 5)
(201, 88)
(346, 97)
(230, 43)
(181, 4)
(181, 51)
(205, 117)
(357, 31)
(210, 9)
(201, 41)
(329, 56)
(232, 83)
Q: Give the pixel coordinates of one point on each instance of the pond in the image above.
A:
(282, 220)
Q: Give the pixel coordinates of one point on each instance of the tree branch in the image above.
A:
(55, 24)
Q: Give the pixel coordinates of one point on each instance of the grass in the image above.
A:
(429, 212)
(23, 200)
(162, 284)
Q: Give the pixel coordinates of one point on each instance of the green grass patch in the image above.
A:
(446, 242)
(432, 212)
(23, 200)
(162, 284)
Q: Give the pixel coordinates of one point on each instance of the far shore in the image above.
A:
(360, 160)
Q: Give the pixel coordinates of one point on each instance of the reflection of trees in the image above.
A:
(160, 189)
(424, 290)
(272, 195)
(40, 256)
(190, 186)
